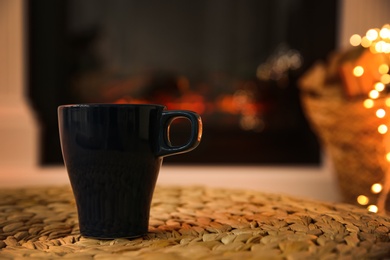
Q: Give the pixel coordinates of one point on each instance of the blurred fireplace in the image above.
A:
(234, 62)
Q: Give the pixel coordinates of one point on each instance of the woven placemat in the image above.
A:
(196, 223)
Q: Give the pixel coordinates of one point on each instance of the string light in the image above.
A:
(369, 103)
(385, 78)
(377, 41)
(366, 43)
(382, 129)
(372, 35)
(385, 32)
(376, 188)
(383, 68)
(374, 94)
(380, 113)
(362, 200)
(372, 208)
(358, 71)
(355, 40)
(379, 86)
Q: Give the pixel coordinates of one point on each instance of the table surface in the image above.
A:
(311, 182)
(197, 223)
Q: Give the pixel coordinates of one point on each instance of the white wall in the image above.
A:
(357, 16)
(18, 128)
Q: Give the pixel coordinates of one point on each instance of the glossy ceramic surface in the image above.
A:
(113, 155)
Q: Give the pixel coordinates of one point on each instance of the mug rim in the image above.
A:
(94, 105)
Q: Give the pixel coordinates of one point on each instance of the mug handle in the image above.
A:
(165, 146)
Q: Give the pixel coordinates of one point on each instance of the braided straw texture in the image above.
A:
(349, 134)
(196, 223)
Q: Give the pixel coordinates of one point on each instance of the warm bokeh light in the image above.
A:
(386, 47)
(358, 71)
(380, 113)
(379, 86)
(383, 68)
(374, 94)
(382, 129)
(385, 78)
(362, 200)
(372, 34)
(372, 208)
(385, 32)
(355, 40)
(373, 48)
(377, 42)
(376, 188)
(365, 42)
(368, 103)
(379, 46)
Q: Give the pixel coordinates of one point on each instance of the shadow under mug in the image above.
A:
(113, 154)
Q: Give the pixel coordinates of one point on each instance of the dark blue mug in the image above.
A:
(113, 154)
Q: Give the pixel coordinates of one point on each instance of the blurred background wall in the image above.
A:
(45, 45)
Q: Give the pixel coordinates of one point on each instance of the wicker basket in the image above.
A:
(349, 134)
